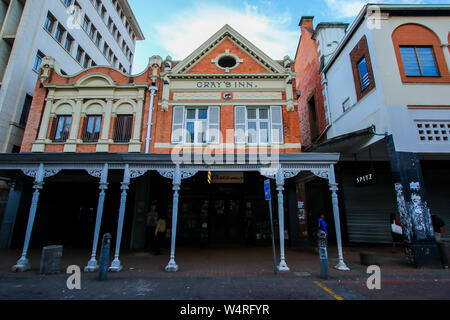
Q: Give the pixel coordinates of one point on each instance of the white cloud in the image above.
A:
(351, 8)
(185, 31)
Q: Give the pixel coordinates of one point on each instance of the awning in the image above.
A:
(344, 143)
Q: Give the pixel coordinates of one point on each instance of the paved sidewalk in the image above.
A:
(232, 273)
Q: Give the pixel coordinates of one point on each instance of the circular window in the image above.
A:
(227, 62)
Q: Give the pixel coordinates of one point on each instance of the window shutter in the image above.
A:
(214, 125)
(54, 123)
(240, 124)
(129, 128)
(178, 125)
(118, 130)
(84, 134)
(276, 117)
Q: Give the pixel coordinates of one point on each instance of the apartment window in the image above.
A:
(92, 128)
(97, 4)
(103, 13)
(25, 110)
(49, 23)
(68, 43)
(86, 23)
(105, 49)
(38, 61)
(67, 3)
(258, 125)
(123, 129)
(109, 23)
(98, 39)
(79, 55)
(62, 128)
(92, 32)
(59, 33)
(363, 74)
(87, 60)
(419, 61)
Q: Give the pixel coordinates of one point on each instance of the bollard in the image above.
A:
(104, 257)
(323, 255)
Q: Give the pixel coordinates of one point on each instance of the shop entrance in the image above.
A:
(221, 214)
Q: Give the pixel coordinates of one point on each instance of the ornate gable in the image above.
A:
(227, 51)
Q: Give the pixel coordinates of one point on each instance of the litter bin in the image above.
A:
(444, 250)
(51, 260)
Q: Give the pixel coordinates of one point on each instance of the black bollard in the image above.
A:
(323, 255)
(104, 257)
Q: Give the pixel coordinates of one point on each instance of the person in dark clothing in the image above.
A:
(160, 232)
(438, 225)
(396, 237)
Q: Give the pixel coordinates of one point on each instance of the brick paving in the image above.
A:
(230, 263)
(225, 274)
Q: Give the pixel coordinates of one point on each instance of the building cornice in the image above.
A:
(132, 19)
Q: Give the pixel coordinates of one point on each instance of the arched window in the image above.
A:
(419, 54)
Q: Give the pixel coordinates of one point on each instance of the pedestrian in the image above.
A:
(152, 216)
(322, 226)
(396, 232)
(160, 232)
(438, 225)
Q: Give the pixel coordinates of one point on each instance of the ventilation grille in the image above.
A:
(434, 131)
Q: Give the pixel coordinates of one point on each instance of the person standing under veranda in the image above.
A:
(396, 232)
(160, 232)
(152, 217)
(322, 226)
(438, 225)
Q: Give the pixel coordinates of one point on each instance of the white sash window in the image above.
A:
(258, 125)
(196, 125)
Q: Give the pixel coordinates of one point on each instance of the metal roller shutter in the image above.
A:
(368, 208)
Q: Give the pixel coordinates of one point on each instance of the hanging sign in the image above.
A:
(227, 177)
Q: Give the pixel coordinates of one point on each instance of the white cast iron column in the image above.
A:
(116, 265)
(153, 90)
(93, 264)
(172, 266)
(280, 187)
(334, 197)
(23, 264)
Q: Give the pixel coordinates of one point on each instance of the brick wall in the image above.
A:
(308, 82)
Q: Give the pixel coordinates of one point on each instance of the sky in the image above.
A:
(177, 27)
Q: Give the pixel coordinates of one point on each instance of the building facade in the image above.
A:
(386, 92)
(77, 34)
(193, 140)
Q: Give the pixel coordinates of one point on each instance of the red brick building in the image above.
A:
(190, 140)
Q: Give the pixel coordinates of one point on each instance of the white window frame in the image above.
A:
(207, 122)
(258, 121)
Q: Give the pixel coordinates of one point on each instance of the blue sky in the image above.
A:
(178, 27)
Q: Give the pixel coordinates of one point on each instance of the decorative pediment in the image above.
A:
(216, 52)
